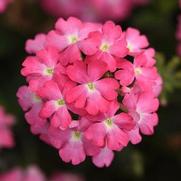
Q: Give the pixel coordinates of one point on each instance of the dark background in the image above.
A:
(156, 158)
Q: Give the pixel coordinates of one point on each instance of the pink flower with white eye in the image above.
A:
(37, 44)
(142, 108)
(106, 45)
(110, 129)
(54, 107)
(136, 43)
(32, 104)
(4, 4)
(42, 67)
(69, 36)
(6, 136)
(103, 158)
(140, 71)
(154, 86)
(72, 144)
(92, 93)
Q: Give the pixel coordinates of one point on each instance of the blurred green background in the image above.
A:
(157, 157)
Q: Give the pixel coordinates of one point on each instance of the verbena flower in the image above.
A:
(6, 122)
(92, 9)
(91, 89)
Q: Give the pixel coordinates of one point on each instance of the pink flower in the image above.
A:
(92, 10)
(33, 173)
(154, 86)
(41, 68)
(37, 44)
(135, 42)
(17, 174)
(106, 45)
(103, 158)
(141, 70)
(157, 86)
(69, 36)
(91, 93)
(6, 122)
(142, 108)
(110, 129)
(32, 103)
(12, 175)
(73, 146)
(55, 106)
(4, 4)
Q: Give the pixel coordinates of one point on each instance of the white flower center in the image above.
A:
(60, 102)
(105, 47)
(36, 99)
(49, 71)
(108, 123)
(90, 87)
(138, 71)
(129, 46)
(76, 135)
(72, 39)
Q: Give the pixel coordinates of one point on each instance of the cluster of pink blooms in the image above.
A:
(4, 4)
(6, 122)
(178, 33)
(92, 89)
(92, 9)
(33, 173)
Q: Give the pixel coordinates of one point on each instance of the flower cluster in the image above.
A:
(33, 173)
(6, 122)
(4, 4)
(92, 9)
(92, 89)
